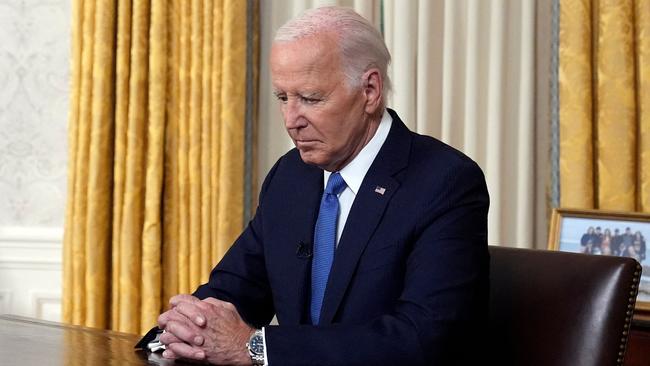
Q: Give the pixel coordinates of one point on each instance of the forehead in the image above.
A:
(315, 57)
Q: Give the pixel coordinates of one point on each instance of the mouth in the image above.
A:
(305, 143)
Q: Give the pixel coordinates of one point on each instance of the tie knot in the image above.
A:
(335, 184)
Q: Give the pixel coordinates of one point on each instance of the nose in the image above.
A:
(293, 116)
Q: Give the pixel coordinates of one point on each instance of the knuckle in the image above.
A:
(166, 338)
(181, 308)
(171, 327)
(176, 348)
(175, 328)
(211, 300)
(179, 313)
(218, 310)
(179, 298)
(182, 350)
(163, 318)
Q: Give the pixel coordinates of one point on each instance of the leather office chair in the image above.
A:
(555, 308)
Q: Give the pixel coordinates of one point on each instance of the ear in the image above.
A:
(373, 89)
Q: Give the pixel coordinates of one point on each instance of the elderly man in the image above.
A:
(369, 242)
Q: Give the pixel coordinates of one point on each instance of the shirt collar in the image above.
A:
(356, 170)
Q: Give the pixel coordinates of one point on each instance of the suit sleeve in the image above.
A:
(439, 304)
(240, 277)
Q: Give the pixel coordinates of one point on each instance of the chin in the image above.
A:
(308, 157)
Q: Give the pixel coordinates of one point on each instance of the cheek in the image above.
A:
(334, 125)
(336, 136)
(321, 124)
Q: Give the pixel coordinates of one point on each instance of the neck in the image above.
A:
(373, 125)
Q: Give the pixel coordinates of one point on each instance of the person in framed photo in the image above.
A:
(586, 241)
(606, 244)
(621, 250)
(637, 249)
(616, 241)
(628, 237)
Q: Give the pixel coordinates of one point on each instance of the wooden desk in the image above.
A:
(25, 341)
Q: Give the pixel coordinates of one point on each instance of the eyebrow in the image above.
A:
(311, 94)
(307, 94)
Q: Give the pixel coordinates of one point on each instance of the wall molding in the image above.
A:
(31, 235)
(31, 263)
(31, 248)
(40, 299)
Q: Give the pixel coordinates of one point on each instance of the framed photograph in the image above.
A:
(596, 232)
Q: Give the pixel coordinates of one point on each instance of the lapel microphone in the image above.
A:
(303, 250)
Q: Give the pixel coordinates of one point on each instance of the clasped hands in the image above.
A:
(208, 330)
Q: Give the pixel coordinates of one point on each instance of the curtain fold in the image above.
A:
(642, 43)
(464, 72)
(154, 171)
(156, 180)
(88, 209)
(575, 89)
(604, 84)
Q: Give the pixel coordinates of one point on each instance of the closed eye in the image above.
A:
(310, 100)
(282, 97)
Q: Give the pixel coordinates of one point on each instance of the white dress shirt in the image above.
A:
(353, 175)
(356, 170)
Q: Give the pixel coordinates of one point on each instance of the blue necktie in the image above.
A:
(324, 243)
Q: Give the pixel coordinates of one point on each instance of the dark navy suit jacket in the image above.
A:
(409, 282)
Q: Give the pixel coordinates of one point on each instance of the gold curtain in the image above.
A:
(157, 147)
(604, 88)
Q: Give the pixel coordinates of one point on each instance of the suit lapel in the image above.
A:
(305, 199)
(375, 193)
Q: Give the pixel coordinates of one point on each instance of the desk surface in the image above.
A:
(25, 341)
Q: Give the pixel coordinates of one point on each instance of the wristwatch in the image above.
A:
(255, 347)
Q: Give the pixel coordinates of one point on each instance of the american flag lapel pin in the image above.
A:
(380, 190)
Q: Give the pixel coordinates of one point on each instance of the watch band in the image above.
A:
(258, 360)
(255, 348)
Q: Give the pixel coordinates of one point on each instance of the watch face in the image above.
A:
(257, 345)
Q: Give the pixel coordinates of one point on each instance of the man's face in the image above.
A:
(326, 119)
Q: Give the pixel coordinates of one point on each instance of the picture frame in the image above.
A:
(584, 231)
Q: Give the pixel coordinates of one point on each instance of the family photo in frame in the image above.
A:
(595, 232)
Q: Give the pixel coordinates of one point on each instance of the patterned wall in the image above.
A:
(34, 84)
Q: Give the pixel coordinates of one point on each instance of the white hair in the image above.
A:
(362, 46)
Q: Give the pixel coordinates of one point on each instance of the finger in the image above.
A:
(219, 303)
(192, 312)
(183, 332)
(186, 351)
(175, 300)
(168, 338)
(164, 318)
(171, 315)
(214, 301)
(169, 354)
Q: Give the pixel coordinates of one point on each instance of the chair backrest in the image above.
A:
(555, 308)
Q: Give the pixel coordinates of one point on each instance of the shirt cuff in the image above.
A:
(266, 357)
